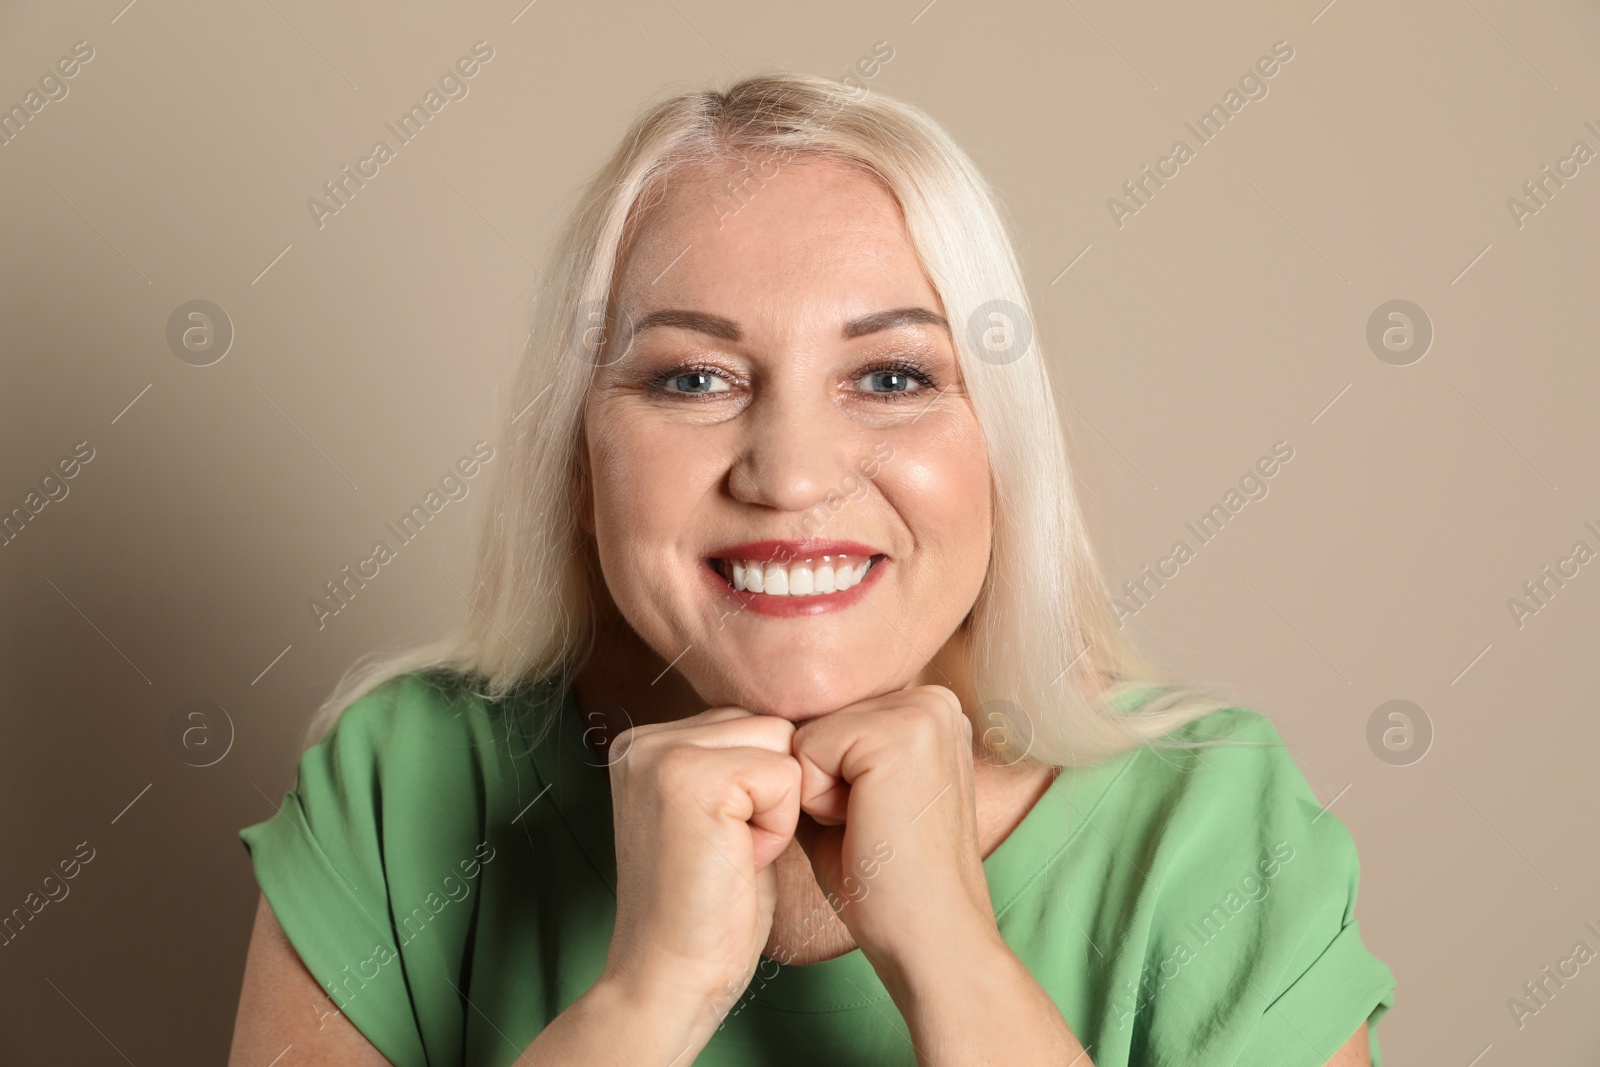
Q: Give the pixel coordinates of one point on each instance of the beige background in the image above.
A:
(1228, 314)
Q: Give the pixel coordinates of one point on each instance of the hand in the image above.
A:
(701, 807)
(890, 825)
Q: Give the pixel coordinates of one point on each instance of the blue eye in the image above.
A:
(689, 381)
(892, 380)
(698, 382)
(903, 378)
(901, 381)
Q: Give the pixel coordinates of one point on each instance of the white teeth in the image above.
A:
(800, 581)
(830, 574)
(775, 580)
(844, 576)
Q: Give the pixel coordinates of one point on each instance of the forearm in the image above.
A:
(614, 1026)
(978, 1004)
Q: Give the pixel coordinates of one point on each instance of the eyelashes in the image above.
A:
(913, 369)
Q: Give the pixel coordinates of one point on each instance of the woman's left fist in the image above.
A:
(889, 820)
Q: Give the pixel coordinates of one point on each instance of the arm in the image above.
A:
(897, 771)
(282, 1006)
(979, 1004)
(1006, 1017)
(702, 807)
(1357, 1052)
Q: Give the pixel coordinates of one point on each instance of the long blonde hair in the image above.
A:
(1050, 662)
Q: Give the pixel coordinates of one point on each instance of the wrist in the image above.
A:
(663, 1004)
(973, 997)
(937, 972)
(619, 1021)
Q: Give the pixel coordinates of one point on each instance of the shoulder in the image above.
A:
(406, 774)
(358, 861)
(407, 708)
(1242, 885)
(1226, 791)
(424, 725)
(1229, 762)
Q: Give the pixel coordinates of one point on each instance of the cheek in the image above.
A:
(646, 480)
(623, 513)
(941, 489)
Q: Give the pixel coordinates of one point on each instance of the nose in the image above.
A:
(791, 456)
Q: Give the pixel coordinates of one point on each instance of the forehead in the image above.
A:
(774, 244)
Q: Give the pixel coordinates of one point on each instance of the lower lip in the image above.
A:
(788, 607)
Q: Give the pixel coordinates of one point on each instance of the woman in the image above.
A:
(790, 722)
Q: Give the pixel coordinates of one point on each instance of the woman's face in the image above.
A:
(778, 394)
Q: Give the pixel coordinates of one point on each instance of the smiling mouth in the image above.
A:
(818, 576)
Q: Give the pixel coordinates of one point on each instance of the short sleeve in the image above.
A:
(370, 866)
(1259, 956)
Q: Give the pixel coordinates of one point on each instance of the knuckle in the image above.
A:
(696, 778)
(623, 743)
(674, 769)
(925, 734)
(929, 721)
(943, 698)
(789, 770)
(945, 707)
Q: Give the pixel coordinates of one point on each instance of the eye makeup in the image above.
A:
(908, 367)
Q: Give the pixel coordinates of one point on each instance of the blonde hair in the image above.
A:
(1047, 650)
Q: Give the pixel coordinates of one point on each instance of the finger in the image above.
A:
(833, 750)
(710, 715)
(722, 713)
(771, 781)
(749, 731)
(915, 728)
(740, 801)
(824, 790)
(824, 797)
(725, 727)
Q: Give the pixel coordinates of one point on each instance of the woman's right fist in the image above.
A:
(701, 807)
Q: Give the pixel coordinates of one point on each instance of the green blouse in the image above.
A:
(453, 888)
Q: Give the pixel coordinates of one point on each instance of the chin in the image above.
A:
(794, 699)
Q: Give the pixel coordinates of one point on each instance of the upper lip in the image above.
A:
(765, 551)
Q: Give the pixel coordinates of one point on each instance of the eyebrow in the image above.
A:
(728, 330)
